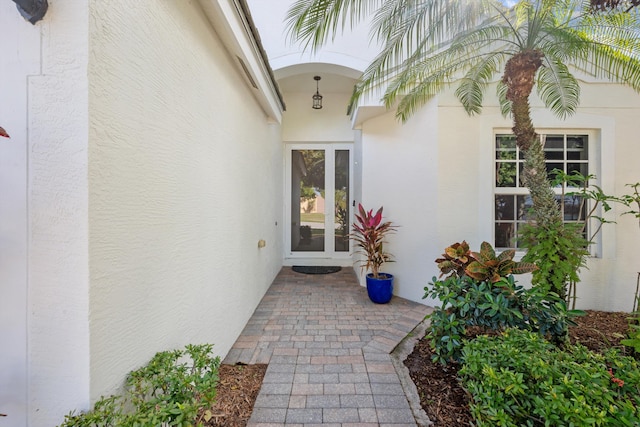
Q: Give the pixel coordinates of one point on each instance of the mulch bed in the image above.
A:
(237, 392)
(447, 403)
(441, 396)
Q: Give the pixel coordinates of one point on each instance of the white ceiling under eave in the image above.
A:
(235, 29)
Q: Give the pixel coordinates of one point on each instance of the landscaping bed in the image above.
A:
(237, 392)
(447, 403)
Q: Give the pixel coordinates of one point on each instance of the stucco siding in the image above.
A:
(434, 176)
(58, 275)
(400, 172)
(467, 146)
(329, 124)
(185, 175)
(20, 49)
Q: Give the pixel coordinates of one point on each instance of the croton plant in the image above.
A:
(482, 266)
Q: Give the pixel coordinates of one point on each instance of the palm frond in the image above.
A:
(413, 29)
(558, 88)
(314, 22)
(442, 61)
(439, 21)
(416, 85)
(471, 89)
(429, 76)
(428, 44)
(505, 104)
(611, 47)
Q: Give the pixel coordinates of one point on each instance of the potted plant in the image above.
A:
(369, 233)
(3, 132)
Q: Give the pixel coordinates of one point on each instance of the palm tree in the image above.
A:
(428, 44)
(611, 4)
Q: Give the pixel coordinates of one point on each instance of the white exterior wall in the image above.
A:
(301, 123)
(606, 110)
(437, 183)
(44, 365)
(15, 66)
(438, 186)
(186, 176)
(134, 194)
(45, 360)
(58, 212)
(400, 173)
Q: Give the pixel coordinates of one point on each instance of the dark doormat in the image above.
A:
(315, 269)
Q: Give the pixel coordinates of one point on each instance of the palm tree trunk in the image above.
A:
(519, 76)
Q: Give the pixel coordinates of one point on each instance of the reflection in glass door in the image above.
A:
(320, 208)
(308, 198)
(341, 201)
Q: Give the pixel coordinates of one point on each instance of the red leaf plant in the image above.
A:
(369, 233)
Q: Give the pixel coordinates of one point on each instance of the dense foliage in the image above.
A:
(172, 388)
(519, 379)
(492, 306)
(559, 250)
(480, 290)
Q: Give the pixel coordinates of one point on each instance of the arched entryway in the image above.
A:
(321, 164)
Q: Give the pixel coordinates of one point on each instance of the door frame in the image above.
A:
(326, 257)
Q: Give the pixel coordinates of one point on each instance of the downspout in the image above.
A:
(32, 10)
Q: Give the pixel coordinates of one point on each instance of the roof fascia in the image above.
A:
(232, 22)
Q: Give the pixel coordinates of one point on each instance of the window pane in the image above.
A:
(307, 193)
(583, 168)
(524, 207)
(505, 142)
(505, 174)
(554, 155)
(504, 235)
(551, 167)
(554, 143)
(574, 210)
(577, 147)
(520, 169)
(506, 155)
(504, 208)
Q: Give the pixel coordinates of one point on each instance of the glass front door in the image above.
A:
(320, 211)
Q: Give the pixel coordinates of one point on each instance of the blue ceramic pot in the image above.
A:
(380, 290)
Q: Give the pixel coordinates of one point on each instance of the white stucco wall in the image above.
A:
(186, 176)
(466, 199)
(437, 185)
(607, 111)
(58, 357)
(455, 188)
(15, 66)
(400, 173)
(301, 123)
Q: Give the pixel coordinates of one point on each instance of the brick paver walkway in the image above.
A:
(328, 349)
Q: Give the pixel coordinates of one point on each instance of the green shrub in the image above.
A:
(495, 306)
(520, 379)
(559, 250)
(633, 336)
(172, 388)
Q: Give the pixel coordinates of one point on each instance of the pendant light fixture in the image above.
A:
(317, 98)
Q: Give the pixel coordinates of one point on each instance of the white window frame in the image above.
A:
(593, 162)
